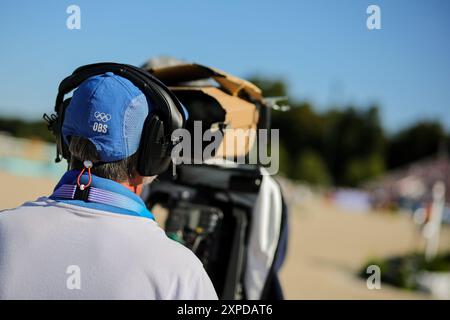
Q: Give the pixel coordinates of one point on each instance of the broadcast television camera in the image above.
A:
(232, 216)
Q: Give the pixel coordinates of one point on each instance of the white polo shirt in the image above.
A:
(55, 250)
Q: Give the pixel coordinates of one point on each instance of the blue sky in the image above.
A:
(323, 49)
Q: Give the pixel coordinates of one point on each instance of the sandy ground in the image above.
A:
(327, 245)
(16, 189)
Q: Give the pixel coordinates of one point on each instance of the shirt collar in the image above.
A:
(70, 177)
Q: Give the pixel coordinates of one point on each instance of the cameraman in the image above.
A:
(59, 247)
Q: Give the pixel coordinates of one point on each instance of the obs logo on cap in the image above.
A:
(102, 117)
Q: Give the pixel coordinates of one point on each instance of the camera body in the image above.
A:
(209, 211)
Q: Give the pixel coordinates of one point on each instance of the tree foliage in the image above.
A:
(345, 146)
(26, 129)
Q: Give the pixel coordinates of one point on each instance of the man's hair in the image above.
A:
(82, 149)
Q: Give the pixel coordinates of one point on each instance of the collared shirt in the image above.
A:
(71, 249)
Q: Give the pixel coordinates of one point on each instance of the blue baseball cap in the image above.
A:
(109, 111)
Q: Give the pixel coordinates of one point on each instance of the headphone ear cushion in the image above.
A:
(153, 158)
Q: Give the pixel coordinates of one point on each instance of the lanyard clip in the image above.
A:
(82, 192)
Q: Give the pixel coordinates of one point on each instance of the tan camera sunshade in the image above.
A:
(179, 74)
(236, 96)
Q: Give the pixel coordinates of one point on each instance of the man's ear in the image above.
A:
(135, 180)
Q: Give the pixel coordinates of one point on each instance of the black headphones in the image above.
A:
(168, 114)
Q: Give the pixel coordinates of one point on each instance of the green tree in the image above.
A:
(351, 142)
(284, 159)
(359, 170)
(416, 142)
(26, 129)
(354, 139)
(310, 167)
(270, 87)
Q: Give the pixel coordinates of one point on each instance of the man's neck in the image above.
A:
(137, 189)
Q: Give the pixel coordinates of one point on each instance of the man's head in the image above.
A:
(103, 123)
(82, 149)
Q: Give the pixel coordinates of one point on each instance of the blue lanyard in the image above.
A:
(103, 194)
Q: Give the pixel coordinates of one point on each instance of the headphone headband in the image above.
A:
(154, 89)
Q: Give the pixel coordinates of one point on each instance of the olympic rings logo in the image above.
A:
(101, 116)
